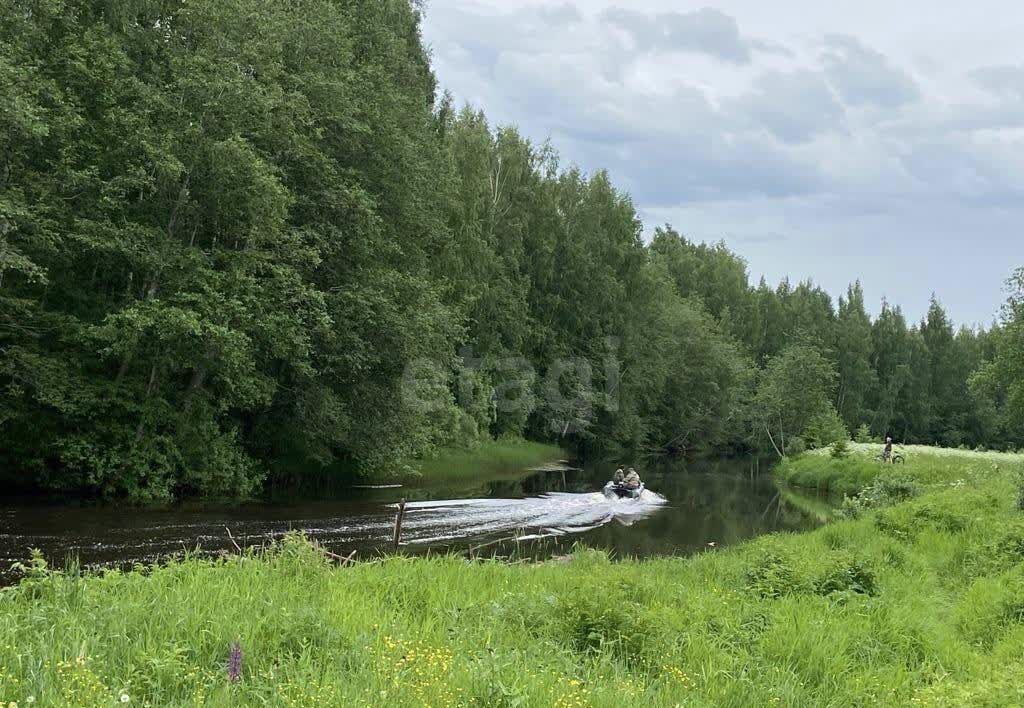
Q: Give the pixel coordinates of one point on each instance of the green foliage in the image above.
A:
(603, 626)
(991, 607)
(796, 446)
(774, 575)
(863, 434)
(224, 255)
(825, 429)
(925, 466)
(999, 553)
(1019, 483)
(202, 237)
(848, 575)
(857, 377)
(793, 394)
(205, 272)
(992, 691)
(908, 521)
(883, 492)
(998, 384)
(840, 449)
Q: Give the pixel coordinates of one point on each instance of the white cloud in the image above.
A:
(705, 31)
(864, 76)
(794, 106)
(795, 122)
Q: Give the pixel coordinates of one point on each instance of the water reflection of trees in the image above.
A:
(711, 502)
(719, 501)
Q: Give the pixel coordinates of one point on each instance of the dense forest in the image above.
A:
(233, 231)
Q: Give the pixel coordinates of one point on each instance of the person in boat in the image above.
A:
(632, 480)
(619, 476)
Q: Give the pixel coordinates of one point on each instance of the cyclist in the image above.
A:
(887, 452)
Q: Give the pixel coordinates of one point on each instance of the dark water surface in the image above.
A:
(543, 511)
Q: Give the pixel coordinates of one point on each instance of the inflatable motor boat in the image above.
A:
(618, 491)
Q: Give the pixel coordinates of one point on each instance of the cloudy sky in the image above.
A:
(873, 139)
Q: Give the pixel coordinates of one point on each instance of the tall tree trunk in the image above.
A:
(149, 392)
(122, 370)
(772, 439)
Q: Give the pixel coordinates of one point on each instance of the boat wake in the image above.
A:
(553, 514)
(149, 537)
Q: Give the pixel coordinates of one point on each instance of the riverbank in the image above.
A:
(492, 459)
(916, 603)
(457, 467)
(923, 465)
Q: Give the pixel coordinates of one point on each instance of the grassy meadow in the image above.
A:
(916, 599)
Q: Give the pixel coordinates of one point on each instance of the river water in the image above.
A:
(538, 512)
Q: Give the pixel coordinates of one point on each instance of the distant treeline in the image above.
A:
(229, 229)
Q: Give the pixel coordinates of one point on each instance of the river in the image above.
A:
(540, 512)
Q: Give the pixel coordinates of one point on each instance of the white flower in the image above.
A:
(125, 698)
(30, 700)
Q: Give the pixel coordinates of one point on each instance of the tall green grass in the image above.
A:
(924, 465)
(920, 603)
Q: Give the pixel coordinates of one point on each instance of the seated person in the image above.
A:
(618, 476)
(632, 480)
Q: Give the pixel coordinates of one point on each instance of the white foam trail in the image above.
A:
(554, 514)
(472, 521)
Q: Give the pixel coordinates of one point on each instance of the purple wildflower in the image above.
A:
(235, 663)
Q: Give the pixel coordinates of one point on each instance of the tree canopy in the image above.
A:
(236, 235)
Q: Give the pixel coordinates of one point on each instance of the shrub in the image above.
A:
(851, 508)
(840, 449)
(595, 625)
(848, 575)
(824, 429)
(773, 576)
(796, 446)
(883, 492)
(863, 434)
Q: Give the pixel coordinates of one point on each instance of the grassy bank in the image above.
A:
(489, 460)
(455, 467)
(924, 465)
(921, 603)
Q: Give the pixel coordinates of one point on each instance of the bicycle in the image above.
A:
(897, 458)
